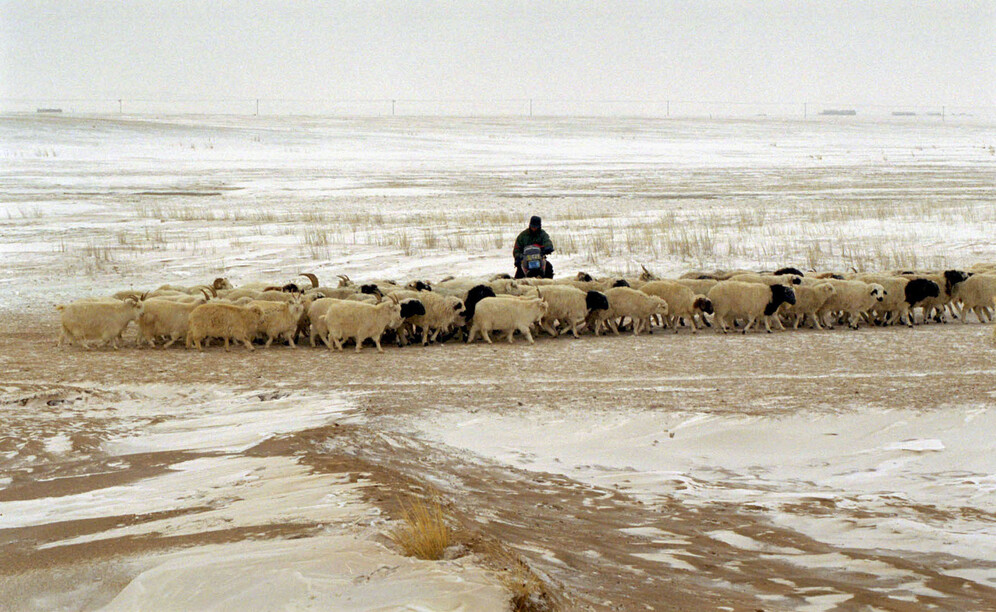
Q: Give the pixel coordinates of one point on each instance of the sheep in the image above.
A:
(768, 279)
(475, 295)
(166, 318)
(700, 286)
(566, 306)
(360, 321)
(748, 300)
(103, 320)
(976, 294)
(853, 298)
(507, 314)
(507, 286)
(934, 308)
(717, 275)
(213, 320)
(419, 285)
(789, 270)
(982, 268)
(627, 302)
(808, 301)
(274, 294)
(441, 313)
(316, 314)
(918, 291)
(682, 302)
(242, 292)
(279, 319)
(647, 276)
(894, 305)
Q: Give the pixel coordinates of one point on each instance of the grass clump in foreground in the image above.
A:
(424, 533)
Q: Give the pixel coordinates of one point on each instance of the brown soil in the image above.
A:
(590, 562)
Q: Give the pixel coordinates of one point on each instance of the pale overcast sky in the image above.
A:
(939, 52)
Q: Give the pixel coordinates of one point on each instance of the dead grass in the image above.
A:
(424, 533)
(527, 592)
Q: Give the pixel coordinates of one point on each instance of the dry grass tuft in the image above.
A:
(527, 592)
(424, 533)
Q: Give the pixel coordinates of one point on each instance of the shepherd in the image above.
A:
(530, 251)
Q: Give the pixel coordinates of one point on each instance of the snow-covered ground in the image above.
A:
(90, 205)
(136, 201)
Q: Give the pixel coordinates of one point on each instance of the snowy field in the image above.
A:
(805, 470)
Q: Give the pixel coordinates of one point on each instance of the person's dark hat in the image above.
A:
(535, 222)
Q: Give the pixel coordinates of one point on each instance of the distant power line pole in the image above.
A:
(392, 107)
(805, 110)
(668, 109)
(257, 107)
(530, 107)
(120, 107)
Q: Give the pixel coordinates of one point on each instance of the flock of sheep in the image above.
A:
(420, 311)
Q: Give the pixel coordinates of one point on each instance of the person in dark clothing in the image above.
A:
(533, 235)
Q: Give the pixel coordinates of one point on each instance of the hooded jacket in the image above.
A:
(528, 237)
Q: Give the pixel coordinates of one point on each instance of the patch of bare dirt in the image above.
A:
(570, 534)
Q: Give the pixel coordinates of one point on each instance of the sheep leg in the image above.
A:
(486, 336)
(722, 323)
(750, 322)
(767, 323)
(980, 314)
(470, 336)
(613, 326)
(376, 340)
(172, 339)
(246, 340)
(778, 320)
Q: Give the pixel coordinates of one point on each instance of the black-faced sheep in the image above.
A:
(751, 301)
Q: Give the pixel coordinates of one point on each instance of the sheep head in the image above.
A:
(780, 294)
(703, 304)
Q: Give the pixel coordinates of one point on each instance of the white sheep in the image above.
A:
(566, 306)
(509, 314)
(163, 317)
(788, 280)
(279, 319)
(226, 321)
(442, 313)
(316, 314)
(682, 302)
(627, 302)
(976, 295)
(701, 286)
(893, 307)
(808, 301)
(102, 320)
(852, 298)
(360, 321)
(751, 301)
